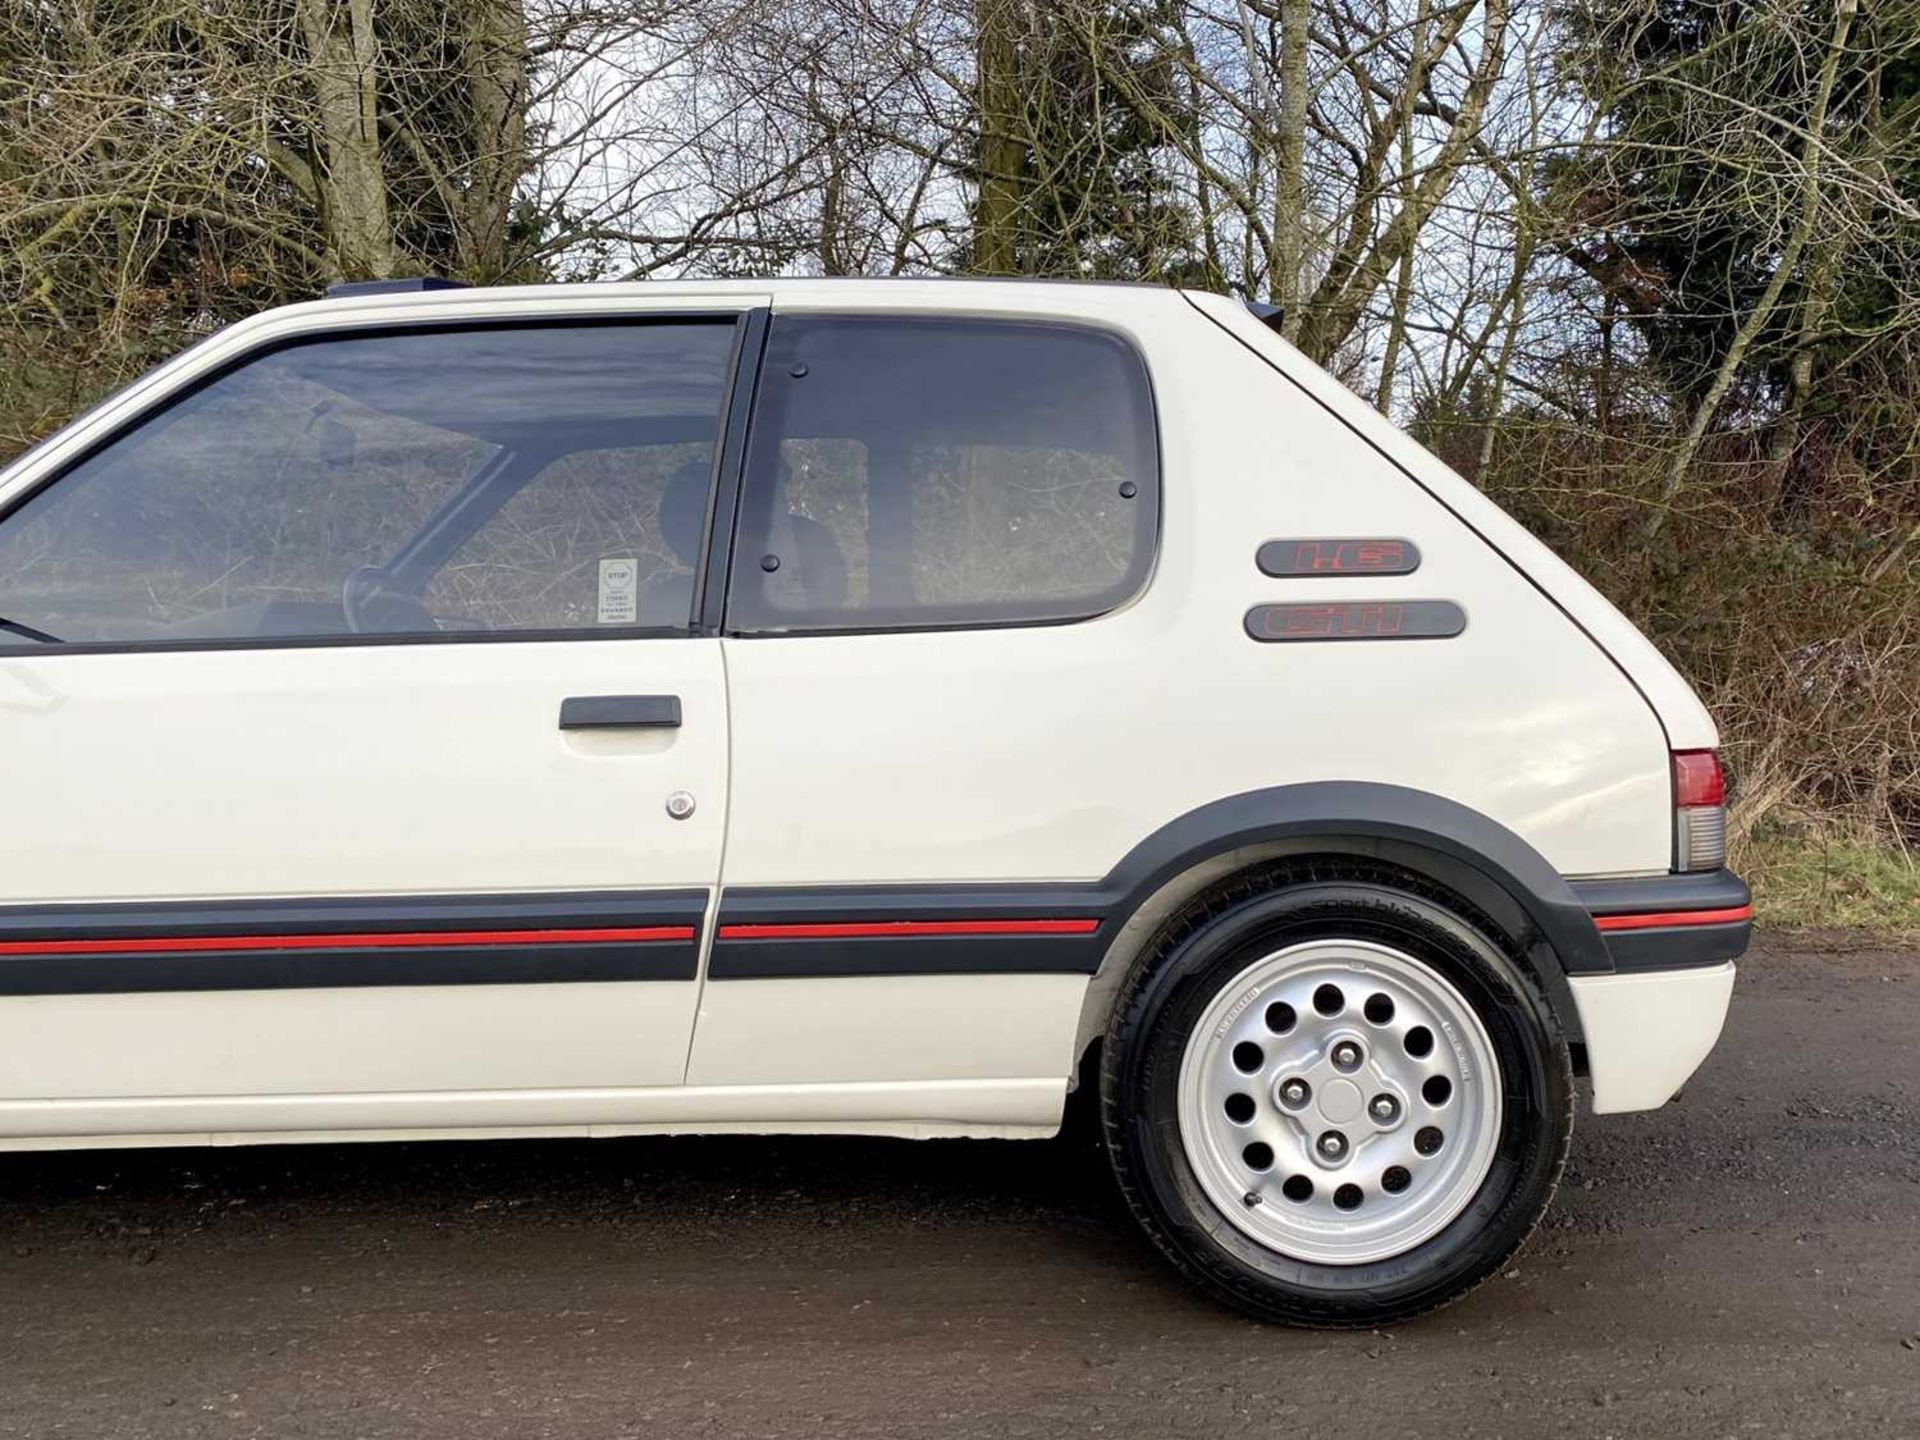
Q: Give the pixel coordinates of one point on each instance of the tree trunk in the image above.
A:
(1344, 291)
(1290, 221)
(1515, 302)
(1403, 283)
(996, 213)
(832, 223)
(496, 64)
(1603, 382)
(1813, 318)
(342, 56)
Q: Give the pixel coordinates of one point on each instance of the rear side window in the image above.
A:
(916, 474)
(478, 480)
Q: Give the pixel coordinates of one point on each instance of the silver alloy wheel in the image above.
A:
(1339, 1102)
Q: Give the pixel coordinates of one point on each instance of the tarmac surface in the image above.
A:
(1745, 1262)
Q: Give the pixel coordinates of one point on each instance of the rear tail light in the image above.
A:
(1700, 811)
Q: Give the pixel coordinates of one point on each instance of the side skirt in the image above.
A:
(986, 1109)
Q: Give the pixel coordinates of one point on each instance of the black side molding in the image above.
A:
(625, 712)
(348, 967)
(333, 941)
(1009, 929)
(776, 957)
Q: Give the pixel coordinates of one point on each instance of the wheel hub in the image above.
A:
(1339, 1102)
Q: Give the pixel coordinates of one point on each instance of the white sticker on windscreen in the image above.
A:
(619, 591)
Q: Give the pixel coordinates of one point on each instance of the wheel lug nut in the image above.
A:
(1346, 1056)
(1295, 1092)
(1333, 1145)
(1385, 1109)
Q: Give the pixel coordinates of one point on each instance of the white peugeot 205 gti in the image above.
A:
(852, 707)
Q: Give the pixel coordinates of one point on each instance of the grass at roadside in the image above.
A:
(1803, 878)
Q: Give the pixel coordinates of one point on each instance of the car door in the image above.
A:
(935, 637)
(364, 762)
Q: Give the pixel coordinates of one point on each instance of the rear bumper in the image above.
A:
(1647, 1032)
(1670, 922)
(1650, 1023)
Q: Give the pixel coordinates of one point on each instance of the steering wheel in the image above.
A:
(372, 608)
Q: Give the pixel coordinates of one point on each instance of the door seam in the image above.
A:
(710, 926)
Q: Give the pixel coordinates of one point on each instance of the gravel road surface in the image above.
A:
(1745, 1262)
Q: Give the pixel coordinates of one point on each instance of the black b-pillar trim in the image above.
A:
(723, 505)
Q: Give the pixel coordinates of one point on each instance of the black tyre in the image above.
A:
(1334, 1098)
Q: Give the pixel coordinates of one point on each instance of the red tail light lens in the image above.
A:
(1700, 811)
(1697, 779)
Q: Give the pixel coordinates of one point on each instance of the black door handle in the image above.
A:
(625, 712)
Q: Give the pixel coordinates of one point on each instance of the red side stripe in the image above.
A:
(881, 929)
(380, 940)
(1673, 918)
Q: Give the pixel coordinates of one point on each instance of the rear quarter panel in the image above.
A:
(1047, 752)
(1687, 724)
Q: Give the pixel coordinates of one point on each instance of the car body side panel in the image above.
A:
(1687, 723)
(907, 1028)
(1047, 752)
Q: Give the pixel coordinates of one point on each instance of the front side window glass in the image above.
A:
(546, 478)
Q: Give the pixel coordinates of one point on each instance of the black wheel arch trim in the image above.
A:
(1447, 843)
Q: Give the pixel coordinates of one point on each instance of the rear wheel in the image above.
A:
(1335, 1100)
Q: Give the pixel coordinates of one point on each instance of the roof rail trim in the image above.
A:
(406, 285)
